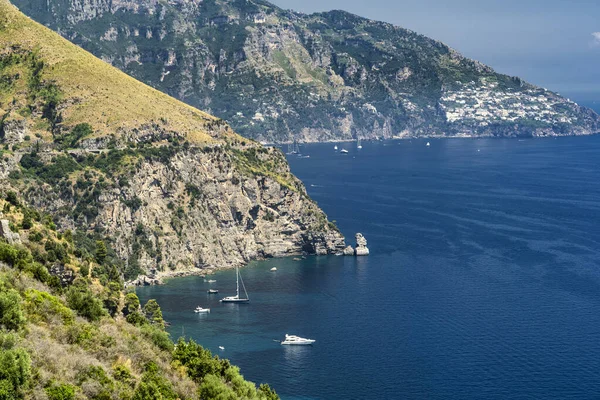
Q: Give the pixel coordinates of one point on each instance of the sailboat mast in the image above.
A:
(237, 282)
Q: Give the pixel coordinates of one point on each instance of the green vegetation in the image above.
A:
(72, 341)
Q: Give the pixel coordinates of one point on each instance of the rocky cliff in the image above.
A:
(277, 75)
(169, 187)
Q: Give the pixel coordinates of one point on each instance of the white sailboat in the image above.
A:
(237, 298)
(358, 145)
(335, 147)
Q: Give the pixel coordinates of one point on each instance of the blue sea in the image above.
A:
(483, 280)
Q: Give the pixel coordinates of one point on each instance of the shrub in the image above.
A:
(84, 270)
(122, 374)
(98, 375)
(35, 236)
(39, 272)
(214, 388)
(62, 391)
(154, 387)
(11, 197)
(15, 372)
(159, 337)
(11, 311)
(198, 361)
(85, 303)
(27, 222)
(265, 392)
(136, 318)
(41, 306)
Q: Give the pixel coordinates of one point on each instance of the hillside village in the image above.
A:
(482, 104)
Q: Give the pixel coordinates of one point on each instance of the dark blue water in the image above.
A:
(484, 278)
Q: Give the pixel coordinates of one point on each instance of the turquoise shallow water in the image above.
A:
(484, 278)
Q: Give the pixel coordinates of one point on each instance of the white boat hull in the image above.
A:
(234, 300)
(304, 343)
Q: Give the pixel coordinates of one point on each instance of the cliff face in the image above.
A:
(169, 187)
(277, 75)
(195, 210)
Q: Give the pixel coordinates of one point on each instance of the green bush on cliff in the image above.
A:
(11, 310)
(81, 299)
(60, 391)
(15, 373)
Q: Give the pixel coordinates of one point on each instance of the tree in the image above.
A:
(27, 222)
(11, 197)
(85, 303)
(101, 251)
(265, 391)
(15, 372)
(154, 313)
(132, 303)
(11, 312)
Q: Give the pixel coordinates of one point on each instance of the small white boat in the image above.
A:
(335, 147)
(213, 291)
(201, 310)
(212, 281)
(221, 347)
(343, 151)
(274, 269)
(358, 145)
(297, 340)
(428, 144)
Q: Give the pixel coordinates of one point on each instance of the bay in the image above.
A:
(483, 279)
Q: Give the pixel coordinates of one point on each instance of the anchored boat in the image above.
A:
(237, 298)
(297, 340)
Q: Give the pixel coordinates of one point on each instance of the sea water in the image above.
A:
(483, 279)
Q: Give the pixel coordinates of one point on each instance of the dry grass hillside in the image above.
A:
(88, 89)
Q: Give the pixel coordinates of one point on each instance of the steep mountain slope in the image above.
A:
(275, 75)
(169, 187)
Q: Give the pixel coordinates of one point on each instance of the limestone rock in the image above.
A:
(66, 276)
(361, 246)
(349, 251)
(197, 212)
(14, 131)
(144, 280)
(10, 236)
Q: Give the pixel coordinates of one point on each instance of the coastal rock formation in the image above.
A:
(349, 251)
(144, 280)
(196, 210)
(361, 246)
(10, 236)
(276, 75)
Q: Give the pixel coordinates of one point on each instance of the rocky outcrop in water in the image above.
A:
(361, 248)
(144, 280)
(361, 245)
